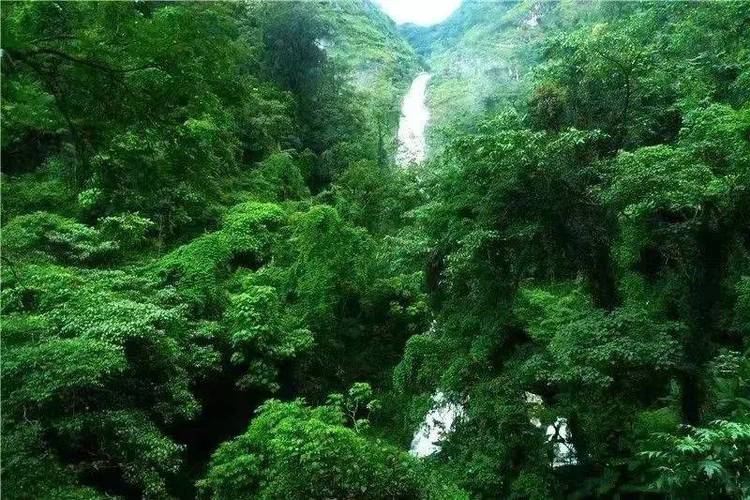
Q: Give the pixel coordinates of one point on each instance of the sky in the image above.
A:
(422, 12)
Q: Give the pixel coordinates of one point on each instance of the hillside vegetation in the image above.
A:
(216, 283)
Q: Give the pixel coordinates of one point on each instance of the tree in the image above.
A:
(295, 451)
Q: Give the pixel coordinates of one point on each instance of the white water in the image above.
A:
(412, 147)
(439, 421)
(437, 424)
(564, 453)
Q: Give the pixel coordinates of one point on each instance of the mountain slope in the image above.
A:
(380, 62)
(478, 58)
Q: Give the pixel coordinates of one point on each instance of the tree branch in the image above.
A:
(79, 60)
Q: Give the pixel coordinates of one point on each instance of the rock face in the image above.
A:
(412, 147)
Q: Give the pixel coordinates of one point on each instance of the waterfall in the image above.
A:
(412, 146)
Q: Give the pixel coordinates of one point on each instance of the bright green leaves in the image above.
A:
(27, 107)
(590, 347)
(259, 334)
(601, 71)
(375, 198)
(293, 451)
(57, 369)
(56, 237)
(29, 469)
(129, 229)
(105, 366)
(599, 349)
(663, 179)
(330, 259)
(432, 360)
(112, 317)
(671, 200)
(153, 135)
(710, 460)
(517, 203)
(252, 227)
(582, 355)
(547, 309)
(30, 193)
(358, 401)
(279, 178)
(587, 247)
(718, 135)
(147, 102)
(332, 120)
(245, 240)
(144, 275)
(130, 440)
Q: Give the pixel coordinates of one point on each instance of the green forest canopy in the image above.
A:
(217, 284)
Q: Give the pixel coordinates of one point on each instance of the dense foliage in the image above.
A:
(589, 255)
(166, 267)
(217, 284)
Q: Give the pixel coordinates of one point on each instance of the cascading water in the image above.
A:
(412, 150)
(557, 433)
(438, 422)
(412, 146)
